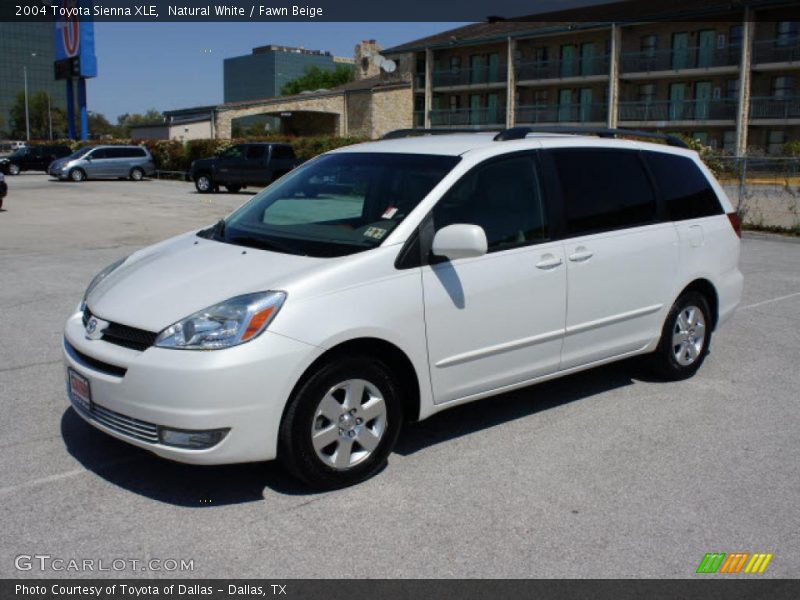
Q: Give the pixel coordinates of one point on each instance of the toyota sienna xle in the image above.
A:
(387, 281)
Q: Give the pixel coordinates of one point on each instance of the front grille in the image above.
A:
(123, 335)
(93, 363)
(140, 430)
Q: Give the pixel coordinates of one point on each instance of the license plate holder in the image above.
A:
(80, 391)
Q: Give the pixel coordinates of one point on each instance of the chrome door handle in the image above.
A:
(581, 254)
(548, 262)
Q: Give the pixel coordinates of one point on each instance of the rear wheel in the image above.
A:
(77, 175)
(13, 169)
(203, 183)
(233, 189)
(685, 338)
(136, 174)
(342, 423)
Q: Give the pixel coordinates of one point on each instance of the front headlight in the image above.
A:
(99, 277)
(223, 325)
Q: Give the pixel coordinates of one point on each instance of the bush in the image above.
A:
(791, 148)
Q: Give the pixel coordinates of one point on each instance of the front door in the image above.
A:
(702, 100)
(705, 50)
(565, 105)
(475, 112)
(621, 262)
(477, 69)
(585, 107)
(98, 163)
(587, 59)
(498, 319)
(494, 67)
(568, 60)
(492, 112)
(680, 50)
(677, 95)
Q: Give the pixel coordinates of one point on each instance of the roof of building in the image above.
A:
(585, 17)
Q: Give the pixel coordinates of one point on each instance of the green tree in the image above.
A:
(40, 113)
(128, 120)
(316, 78)
(100, 127)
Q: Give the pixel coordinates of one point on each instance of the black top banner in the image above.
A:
(376, 10)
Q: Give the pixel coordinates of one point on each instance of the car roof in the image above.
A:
(459, 144)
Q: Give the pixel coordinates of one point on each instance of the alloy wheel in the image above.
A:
(688, 335)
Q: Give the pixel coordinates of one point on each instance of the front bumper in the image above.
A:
(243, 389)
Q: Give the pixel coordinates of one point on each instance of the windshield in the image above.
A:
(335, 205)
(81, 152)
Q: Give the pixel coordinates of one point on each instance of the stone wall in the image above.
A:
(392, 108)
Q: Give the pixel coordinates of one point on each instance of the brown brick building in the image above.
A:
(727, 73)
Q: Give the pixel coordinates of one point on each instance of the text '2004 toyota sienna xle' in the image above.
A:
(387, 281)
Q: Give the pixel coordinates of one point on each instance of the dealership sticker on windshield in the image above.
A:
(376, 233)
(389, 212)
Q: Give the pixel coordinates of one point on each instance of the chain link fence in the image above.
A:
(765, 190)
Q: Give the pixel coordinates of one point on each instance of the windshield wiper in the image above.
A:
(260, 243)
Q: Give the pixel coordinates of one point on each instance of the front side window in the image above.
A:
(335, 205)
(503, 197)
(603, 189)
(686, 191)
(233, 152)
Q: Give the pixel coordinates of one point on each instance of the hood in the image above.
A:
(203, 163)
(167, 282)
(59, 162)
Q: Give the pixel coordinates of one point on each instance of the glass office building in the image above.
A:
(31, 46)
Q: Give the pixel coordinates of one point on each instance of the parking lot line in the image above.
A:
(770, 301)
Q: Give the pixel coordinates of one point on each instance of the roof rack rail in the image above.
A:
(518, 133)
(404, 133)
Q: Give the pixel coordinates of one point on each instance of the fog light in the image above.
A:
(194, 440)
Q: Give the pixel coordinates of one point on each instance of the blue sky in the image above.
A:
(175, 65)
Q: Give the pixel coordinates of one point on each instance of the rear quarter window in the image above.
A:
(685, 189)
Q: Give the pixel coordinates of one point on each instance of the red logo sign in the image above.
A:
(71, 30)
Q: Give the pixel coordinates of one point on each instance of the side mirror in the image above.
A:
(460, 241)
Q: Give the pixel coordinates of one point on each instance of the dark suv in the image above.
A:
(33, 158)
(257, 164)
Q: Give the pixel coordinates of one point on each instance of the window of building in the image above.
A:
(787, 33)
(735, 34)
(454, 102)
(455, 63)
(686, 191)
(775, 141)
(783, 86)
(647, 92)
(540, 54)
(502, 196)
(649, 45)
(540, 97)
(732, 89)
(604, 189)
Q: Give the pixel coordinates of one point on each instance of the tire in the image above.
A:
(325, 403)
(203, 183)
(685, 338)
(77, 175)
(13, 169)
(136, 174)
(233, 189)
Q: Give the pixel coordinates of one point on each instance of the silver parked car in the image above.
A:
(104, 162)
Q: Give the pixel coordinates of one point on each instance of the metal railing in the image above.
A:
(561, 113)
(551, 69)
(673, 59)
(468, 116)
(678, 110)
(775, 108)
(785, 49)
(470, 76)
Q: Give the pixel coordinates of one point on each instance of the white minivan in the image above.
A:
(387, 281)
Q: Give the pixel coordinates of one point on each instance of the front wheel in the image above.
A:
(13, 169)
(342, 423)
(203, 183)
(685, 338)
(77, 175)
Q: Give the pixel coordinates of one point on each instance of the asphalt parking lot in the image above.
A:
(602, 474)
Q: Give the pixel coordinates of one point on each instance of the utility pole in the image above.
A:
(27, 113)
(49, 117)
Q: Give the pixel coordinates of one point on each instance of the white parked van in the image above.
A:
(384, 282)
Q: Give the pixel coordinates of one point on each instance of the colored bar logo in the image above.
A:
(720, 562)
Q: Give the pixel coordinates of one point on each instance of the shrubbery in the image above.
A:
(172, 155)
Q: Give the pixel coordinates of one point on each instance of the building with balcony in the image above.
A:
(727, 73)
